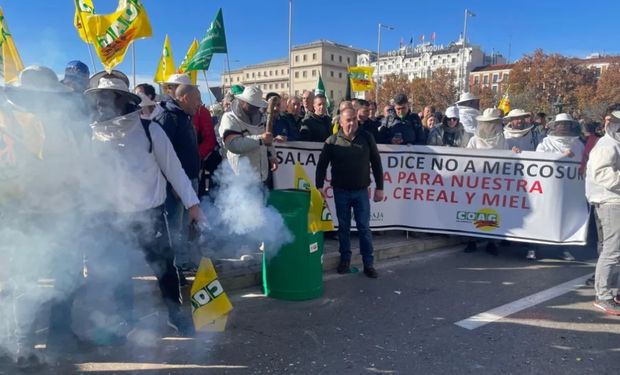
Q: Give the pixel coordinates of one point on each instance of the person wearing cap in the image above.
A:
(40, 219)
(520, 135)
(489, 135)
(405, 127)
(244, 134)
(316, 125)
(450, 132)
(76, 76)
(603, 192)
(132, 189)
(352, 153)
(469, 109)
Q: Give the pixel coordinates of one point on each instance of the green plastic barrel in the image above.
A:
(294, 271)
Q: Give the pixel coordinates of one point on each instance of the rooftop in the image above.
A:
(492, 67)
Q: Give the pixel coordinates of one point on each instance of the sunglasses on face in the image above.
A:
(453, 118)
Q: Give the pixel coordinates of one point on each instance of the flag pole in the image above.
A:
(90, 53)
(204, 72)
(133, 61)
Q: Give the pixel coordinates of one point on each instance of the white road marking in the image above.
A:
(503, 311)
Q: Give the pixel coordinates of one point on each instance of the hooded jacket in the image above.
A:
(526, 139)
(136, 178)
(467, 117)
(603, 169)
(443, 135)
(178, 126)
(249, 145)
(559, 144)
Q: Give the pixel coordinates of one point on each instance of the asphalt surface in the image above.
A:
(403, 322)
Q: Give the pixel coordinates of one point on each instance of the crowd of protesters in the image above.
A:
(167, 147)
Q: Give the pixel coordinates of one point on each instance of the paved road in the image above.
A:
(403, 323)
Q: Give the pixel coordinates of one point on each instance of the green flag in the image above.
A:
(213, 42)
(320, 89)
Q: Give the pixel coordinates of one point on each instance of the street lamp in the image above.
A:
(465, 86)
(381, 26)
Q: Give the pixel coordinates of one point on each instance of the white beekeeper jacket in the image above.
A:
(248, 145)
(134, 177)
(559, 144)
(603, 169)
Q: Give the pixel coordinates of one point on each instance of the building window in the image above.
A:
(270, 86)
(258, 74)
(416, 64)
(485, 80)
(296, 58)
(494, 88)
(332, 57)
(304, 74)
(270, 73)
(305, 57)
(348, 60)
(453, 60)
(495, 77)
(253, 75)
(506, 77)
(476, 80)
(314, 57)
(331, 73)
(282, 71)
(331, 94)
(314, 72)
(296, 74)
(339, 74)
(339, 58)
(247, 75)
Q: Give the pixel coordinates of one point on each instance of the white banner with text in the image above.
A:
(528, 197)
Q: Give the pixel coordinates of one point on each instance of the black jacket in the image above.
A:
(315, 128)
(350, 161)
(409, 127)
(180, 130)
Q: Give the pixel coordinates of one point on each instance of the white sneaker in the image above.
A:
(568, 256)
(531, 255)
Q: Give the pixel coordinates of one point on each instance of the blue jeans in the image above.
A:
(359, 202)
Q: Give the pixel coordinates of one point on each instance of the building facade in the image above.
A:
(323, 57)
(494, 76)
(423, 60)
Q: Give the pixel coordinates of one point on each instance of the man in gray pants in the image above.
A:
(603, 192)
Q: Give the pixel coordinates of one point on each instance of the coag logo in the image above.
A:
(207, 294)
(485, 219)
(302, 184)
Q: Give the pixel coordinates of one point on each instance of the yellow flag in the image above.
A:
(83, 9)
(210, 304)
(504, 103)
(165, 68)
(193, 74)
(361, 78)
(112, 33)
(10, 62)
(319, 217)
